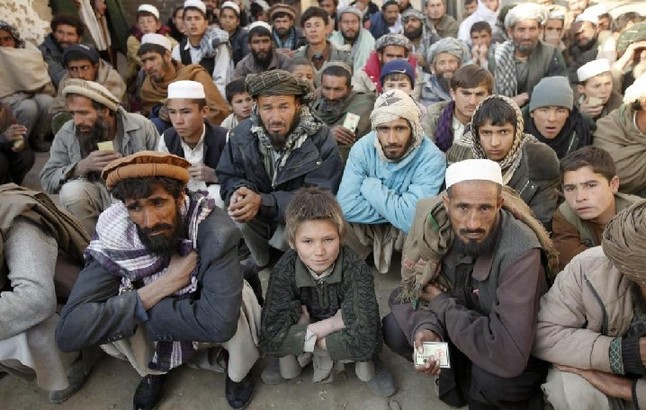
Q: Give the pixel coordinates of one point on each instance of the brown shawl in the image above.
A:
(23, 70)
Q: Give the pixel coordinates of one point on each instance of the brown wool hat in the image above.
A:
(282, 8)
(146, 164)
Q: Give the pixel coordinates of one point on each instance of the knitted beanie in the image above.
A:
(552, 92)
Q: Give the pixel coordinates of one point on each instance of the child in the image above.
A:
(320, 303)
(302, 68)
(399, 74)
(240, 102)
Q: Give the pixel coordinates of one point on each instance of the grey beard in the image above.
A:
(332, 107)
(88, 141)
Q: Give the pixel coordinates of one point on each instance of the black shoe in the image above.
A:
(239, 394)
(149, 392)
(39, 146)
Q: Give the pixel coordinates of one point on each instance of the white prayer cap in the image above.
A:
(636, 91)
(526, 11)
(259, 23)
(230, 5)
(473, 170)
(191, 90)
(587, 16)
(149, 8)
(154, 38)
(593, 68)
(197, 4)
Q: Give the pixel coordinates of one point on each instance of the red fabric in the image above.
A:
(373, 68)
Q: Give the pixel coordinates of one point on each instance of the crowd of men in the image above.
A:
(499, 154)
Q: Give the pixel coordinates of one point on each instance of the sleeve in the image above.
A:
(151, 134)
(557, 65)
(218, 107)
(223, 68)
(546, 175)
(55, 68)
(566, 239)
(58, 167)
(133, 47)
(507, 333)
(230, 170)
(32, 298)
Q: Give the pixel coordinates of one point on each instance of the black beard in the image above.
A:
(277, 140)
(414, 35)
(89, 140)
(476, 249)
(350, 40)
(160, 244)
(332, 106)
(445, 83)
(263, 61)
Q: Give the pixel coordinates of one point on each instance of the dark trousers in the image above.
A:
(466, 383)
(15, 165)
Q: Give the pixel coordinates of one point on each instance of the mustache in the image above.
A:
(156, 229)
(465, 231)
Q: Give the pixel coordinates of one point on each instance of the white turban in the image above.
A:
(395, 104)
(526, 11)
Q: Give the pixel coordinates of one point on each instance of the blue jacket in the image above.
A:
(316, 163)
(375, 191)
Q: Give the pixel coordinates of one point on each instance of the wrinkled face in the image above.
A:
(395, 138)
(525, 35)
(470, 8)
(66, 35)
(435, 9)
(83, 112)
(496, 140)
(590, 194)
(282, 25)
(158, 220)
(317, 244)
(552, 31)
(391, 14)
(7, 40)
(262, 48)
(328, 6)
(195, 22)
(599, 86)
(473, 208)
(279, 116)
(490, 4)
(187, 118)
(467, 99)
(481, 38)
(241, 105)
(350, 26)
(549, 121)
(155, 65)
(585, 33)
(315, 30)
(228, 19)
(445, 65)
(147, 23)
(334, 88)
(404, 85)
(413, 28)
(390, 53)
(82, 69)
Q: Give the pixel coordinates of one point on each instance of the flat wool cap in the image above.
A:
(146, 164)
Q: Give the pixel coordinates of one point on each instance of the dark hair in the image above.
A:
(315, 12)
(472, 76)
(336, 71)
(466, 2)
(201, 102)
(146, 13)
(255, 9)
(139, 188)
(259, 31)
(68, 20)
(605, 16)
(336, 2)
(176, 9)
(619, 24)
(233, 88)
(389, 3)
(151, 48)
(480, 26)
(397, 77)
(594, 157)
(496, 111)
(312, 204)
(297, 61)
(280, 15)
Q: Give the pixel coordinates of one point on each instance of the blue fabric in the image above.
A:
(374, 190)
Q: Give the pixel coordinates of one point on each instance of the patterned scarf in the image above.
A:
(505, 71)
(290, 41)
(444, 132)
(118, 248)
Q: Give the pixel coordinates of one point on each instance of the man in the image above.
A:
(528, 166)
(75, 161)
(55, 242)
(66, 30)
(585, 45)
(204, 45)
(446, 121)
(553, 119)
(621, 133)
(25, 85)
(179, 298)
(439, 20)
(589, 322)
(337, 102)
(481, 39)
(388, 171)
(161, 70)
(330, 6)
(483, 297)
(387, 21)
(595, 89)
(287, 37)
(590, 185)
(420, 35)
(487, 10)
(352, 33)
(520, 63)
(263, 56)
(84, 62)
(387, 48)
(280, 149)
(444, 57)
(554, 27)
(319, 50)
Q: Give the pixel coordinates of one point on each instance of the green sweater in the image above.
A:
(349, 288)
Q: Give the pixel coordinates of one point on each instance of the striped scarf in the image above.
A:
(505, 70)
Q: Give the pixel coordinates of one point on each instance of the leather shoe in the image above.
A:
(239, 394)
(149, 392)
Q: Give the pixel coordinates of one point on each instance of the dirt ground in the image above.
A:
(112, 382)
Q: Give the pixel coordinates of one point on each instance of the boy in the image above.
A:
(302, 68)
(320, 303)
(400, 74)
(590, 185)
(597, 98)
(240, 102)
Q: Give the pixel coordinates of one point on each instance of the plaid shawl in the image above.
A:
(505, 70)
(118, 248)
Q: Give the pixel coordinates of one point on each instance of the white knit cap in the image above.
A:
(149, 8)
(154, 38)
(230, 5)
(473, 170)
(636, 91)
(198, 4)
(593, 68)
(526, 11)
(259, 23)
(191, 90)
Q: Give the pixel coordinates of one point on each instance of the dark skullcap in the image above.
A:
(624, 242)
(393, 40)
(13, 31)
(278, 82)
(631, 35)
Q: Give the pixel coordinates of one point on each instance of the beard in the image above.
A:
(332, 106)
(414, 34)
(349, 37)
(263, 59)
(164, 244)
(278, 140)
(444, 82)
(89, 139)
(473, 248)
